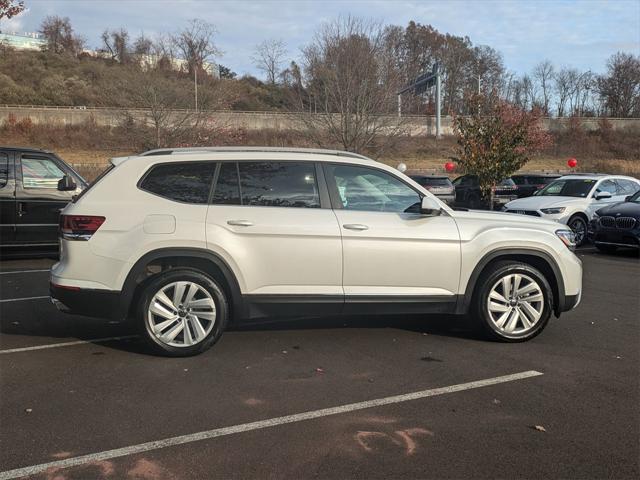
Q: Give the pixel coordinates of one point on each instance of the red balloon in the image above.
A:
(572, 162)
(449, 166)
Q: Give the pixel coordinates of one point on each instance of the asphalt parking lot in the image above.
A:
(381, 397)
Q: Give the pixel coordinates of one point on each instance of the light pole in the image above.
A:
(195, 83)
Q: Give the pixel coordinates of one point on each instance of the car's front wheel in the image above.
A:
(579, 226)
(182, 312)
(513, 302)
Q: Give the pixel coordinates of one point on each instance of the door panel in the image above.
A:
(7, 199)
(389, 248)
(276, 250)
(400, 254)
(38, 199)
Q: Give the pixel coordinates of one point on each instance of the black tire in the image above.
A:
(182, 275)
(489, 278)
(606, 248)
(578, 224)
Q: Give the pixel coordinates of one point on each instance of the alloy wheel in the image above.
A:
(579, 228)
(515, 304)
(181, 314)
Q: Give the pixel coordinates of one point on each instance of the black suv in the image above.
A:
(529, 183)
(34, 186)
(469, 195)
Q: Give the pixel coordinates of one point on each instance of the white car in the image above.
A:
(573, 199)
(185, 241)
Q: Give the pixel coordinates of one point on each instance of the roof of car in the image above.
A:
(537, 174)
(594, 176)
(317, 151)
(26, 149)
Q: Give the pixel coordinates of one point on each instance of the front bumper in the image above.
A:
(88, 302)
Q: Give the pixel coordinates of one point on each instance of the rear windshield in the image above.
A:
(507, 182)
(576, 187)
(439, 182)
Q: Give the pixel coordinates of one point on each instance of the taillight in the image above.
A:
(79, 227)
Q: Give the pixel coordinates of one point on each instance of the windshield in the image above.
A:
(575, 187)
(441, 182)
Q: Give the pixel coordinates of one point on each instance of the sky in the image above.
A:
(575, 33)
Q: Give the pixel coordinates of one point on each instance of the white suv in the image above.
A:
(185, 241)
(573, 199)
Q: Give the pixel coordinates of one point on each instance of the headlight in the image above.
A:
(568, 238)
(552, 211)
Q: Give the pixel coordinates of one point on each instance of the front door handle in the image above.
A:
(355, 226)
(240, 223)
(21, 210)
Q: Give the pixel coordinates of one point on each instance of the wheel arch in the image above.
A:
(534, 257)
(161, 260)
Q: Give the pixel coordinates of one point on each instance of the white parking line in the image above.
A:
(246, 427)
(23, 299)
(65, 344)
(23, 271)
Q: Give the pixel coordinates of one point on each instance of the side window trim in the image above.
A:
(334, 195)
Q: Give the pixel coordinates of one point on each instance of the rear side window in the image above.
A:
(4, 169)
(279, 184)
(181, 181)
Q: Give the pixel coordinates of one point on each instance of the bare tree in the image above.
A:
(195, 44)
(543, 73)
(59, 36)
(352, 78)
(619, 89)
(116, 43)
(143, 45)
(11, 8)
(268, 57)
(564, 83)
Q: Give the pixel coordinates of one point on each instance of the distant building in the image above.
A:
(25, 41)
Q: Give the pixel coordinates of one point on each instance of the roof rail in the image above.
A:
(187, 150)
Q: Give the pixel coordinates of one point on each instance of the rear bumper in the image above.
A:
(87, 302)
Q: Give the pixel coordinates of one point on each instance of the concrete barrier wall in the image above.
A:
(415, 124)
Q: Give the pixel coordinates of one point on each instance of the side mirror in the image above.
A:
(66, 184)
(628, 198)
(430, 207)
(603, 195)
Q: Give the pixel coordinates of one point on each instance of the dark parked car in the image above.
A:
(617, 225)
(440, 186)
(469, 195)
(529, 183)
(34, 186)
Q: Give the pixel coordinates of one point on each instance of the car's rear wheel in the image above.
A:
(183, 312)
(579, 226)
(513, 302)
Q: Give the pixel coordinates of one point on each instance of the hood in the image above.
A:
(538, 202)
(507, 219)
(627, 209)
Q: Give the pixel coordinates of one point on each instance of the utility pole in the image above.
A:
(438, 95)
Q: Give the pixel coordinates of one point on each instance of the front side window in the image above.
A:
(4, 169)
(372, 190)
(187, 182)
(607, 186)
(568, 188)
(279, 184)
(38, 172)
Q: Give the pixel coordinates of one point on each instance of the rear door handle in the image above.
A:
(355, 226)
(240, 223)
